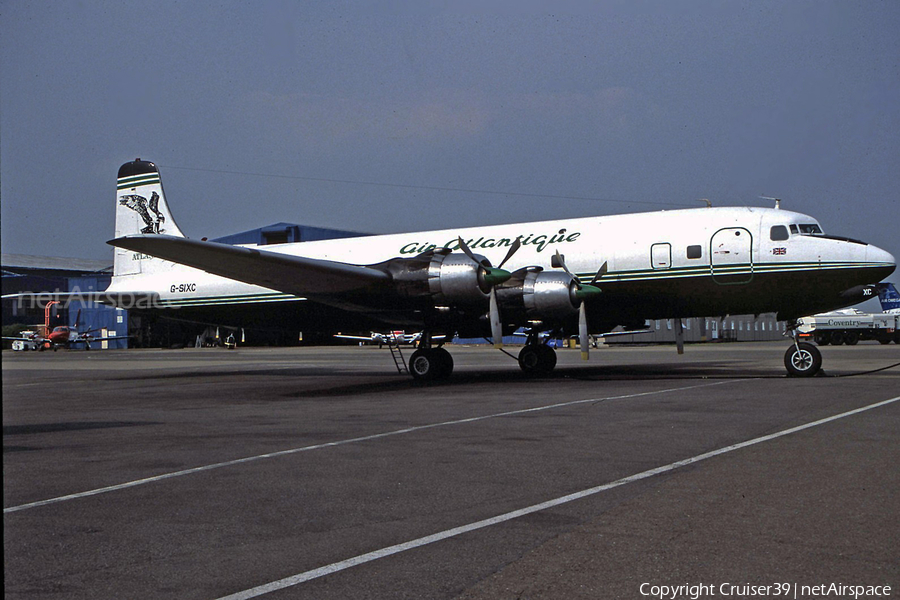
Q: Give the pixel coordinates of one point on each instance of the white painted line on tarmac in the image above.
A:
(449, 533)
(365, 438)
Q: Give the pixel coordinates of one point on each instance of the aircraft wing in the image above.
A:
(97, 339)
(283, 272)
(615, 333)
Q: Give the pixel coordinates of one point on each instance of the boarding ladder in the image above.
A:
(400, 363)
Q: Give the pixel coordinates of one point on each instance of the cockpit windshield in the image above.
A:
(807, 229)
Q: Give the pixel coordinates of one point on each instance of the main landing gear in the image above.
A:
(802, 359)
(428, 363)
(536, 358)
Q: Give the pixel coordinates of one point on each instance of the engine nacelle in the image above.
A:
(443, 277)
(455, 279)
(538, 295)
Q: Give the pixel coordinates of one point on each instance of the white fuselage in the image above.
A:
(731, 244)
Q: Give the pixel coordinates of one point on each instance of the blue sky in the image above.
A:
(393, 116)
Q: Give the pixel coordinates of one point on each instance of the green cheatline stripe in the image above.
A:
(229, 300)
(721, 270)
(269, 296)
(137, 180)
(229, 303)
(756, 267)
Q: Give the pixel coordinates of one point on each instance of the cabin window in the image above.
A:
(694, 251)
(779, 233)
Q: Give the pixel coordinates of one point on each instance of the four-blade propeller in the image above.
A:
(493, 276)
(583, 292)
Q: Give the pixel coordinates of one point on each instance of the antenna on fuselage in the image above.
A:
(708, 203)
(777, 201)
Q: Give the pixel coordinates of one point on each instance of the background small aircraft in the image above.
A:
(394, 338)
(61, 336)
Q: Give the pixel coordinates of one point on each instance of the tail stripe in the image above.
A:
(137, 180)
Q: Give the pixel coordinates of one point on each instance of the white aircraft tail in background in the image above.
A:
(889, 298)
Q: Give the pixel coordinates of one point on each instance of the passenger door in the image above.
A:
(731, 256)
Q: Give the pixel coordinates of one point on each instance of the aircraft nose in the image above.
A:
(876, 254)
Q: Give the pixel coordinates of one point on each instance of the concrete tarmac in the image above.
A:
(322, 473)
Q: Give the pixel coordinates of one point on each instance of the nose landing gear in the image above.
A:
(802, 359)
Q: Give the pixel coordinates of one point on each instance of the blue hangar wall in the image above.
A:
(100, 320)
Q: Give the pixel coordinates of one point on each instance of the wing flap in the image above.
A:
(283, 272)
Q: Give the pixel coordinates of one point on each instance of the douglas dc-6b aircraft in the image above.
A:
(583, 275)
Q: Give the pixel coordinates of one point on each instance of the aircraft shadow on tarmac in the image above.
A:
(70, 426)
(513, 378)
(39, 428)
(355, 382)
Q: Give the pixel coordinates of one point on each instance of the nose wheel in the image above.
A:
(803, 360)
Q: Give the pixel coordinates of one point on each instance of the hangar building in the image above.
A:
(26, 273)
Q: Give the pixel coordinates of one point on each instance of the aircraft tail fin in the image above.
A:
(889, 297)
(141, 208)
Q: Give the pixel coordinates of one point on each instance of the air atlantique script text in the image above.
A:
(539, 241)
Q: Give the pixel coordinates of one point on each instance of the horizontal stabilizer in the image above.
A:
(282, 272)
